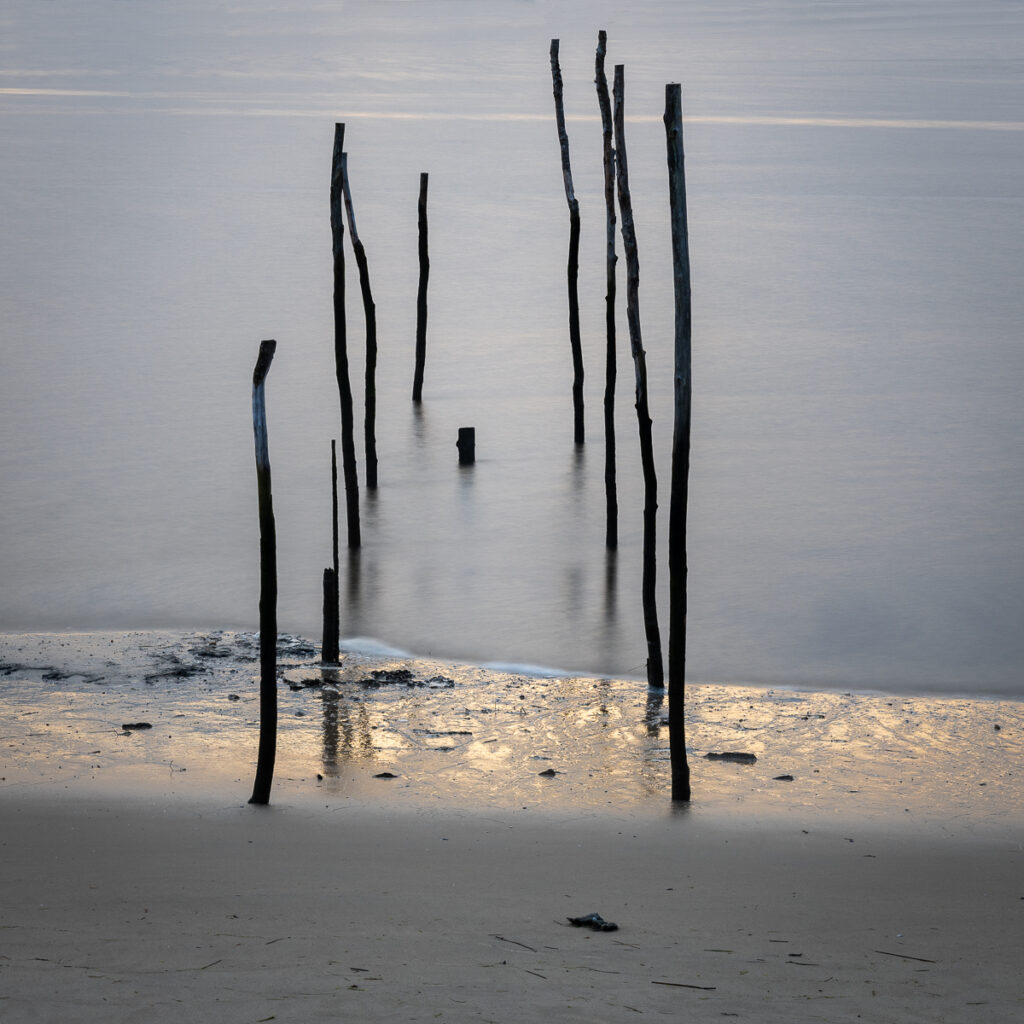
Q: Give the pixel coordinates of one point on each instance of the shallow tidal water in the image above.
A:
(177, 714)
(855, 198)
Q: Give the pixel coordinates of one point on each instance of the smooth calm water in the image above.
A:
(855, 197)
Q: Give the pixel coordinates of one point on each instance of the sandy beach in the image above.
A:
(138, 885)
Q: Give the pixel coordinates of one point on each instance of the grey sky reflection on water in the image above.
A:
(854, 193)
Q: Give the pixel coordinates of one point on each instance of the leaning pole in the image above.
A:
(573, 265)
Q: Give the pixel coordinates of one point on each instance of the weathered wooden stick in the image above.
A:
(348, 447)
(655, 666)
(680, 446)
(466, 445)
(268, 584)
(370, 315)
(572, 270)
(332, 595)
(611, 533)
(334, 507)
(421, 294)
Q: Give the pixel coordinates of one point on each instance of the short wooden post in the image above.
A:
(332, 632)
(572, 268)
(329, 648)
(611, 533)
(655, 665)
(421, 294)
(370, 315)
(268, 584)
(680, 446)
(348, 447)
(466, 445)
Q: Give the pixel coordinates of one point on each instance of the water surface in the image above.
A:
(855, 206)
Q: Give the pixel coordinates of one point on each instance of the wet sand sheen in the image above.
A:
(882, 882)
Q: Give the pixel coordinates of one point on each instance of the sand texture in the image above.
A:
(138, 885)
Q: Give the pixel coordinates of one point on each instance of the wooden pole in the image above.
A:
(680, 446)
(268, 585)
(611, 533)
(370, 315)
(572, 271)
(655, 667)
(332, 596)
(348, 447)
(421, 294)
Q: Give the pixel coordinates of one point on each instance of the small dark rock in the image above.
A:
(392, 675)
(177, 672)
(734, 756)
(385, 775)
(233, 696)
(783, 778)
(129, 726)
(595, 922)
(548, 773)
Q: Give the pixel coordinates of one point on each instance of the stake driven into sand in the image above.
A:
(680, 447)
(268, 584)
(655, 665)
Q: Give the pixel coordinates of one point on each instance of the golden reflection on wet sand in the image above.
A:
(461, 735)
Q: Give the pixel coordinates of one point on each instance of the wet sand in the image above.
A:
(138, 885)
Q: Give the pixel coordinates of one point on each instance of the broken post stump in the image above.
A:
(466, 445)
(329, 647)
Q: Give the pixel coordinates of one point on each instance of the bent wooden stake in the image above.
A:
(268, 585)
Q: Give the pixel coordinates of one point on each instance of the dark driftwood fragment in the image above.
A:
(466, 445)
(683, 984)
(268, 585)
(904, 956)
(655, 667)
(348, 447)
(370, 315)
(421, 293)
(572, 269)
(680, 447)
(611, 533)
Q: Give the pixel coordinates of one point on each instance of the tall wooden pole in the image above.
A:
(680, 446)
(421, 293)
(370, 315)
(268, 584)
(572, 271)
(348, 447)
(611, 533)
(655, 666)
